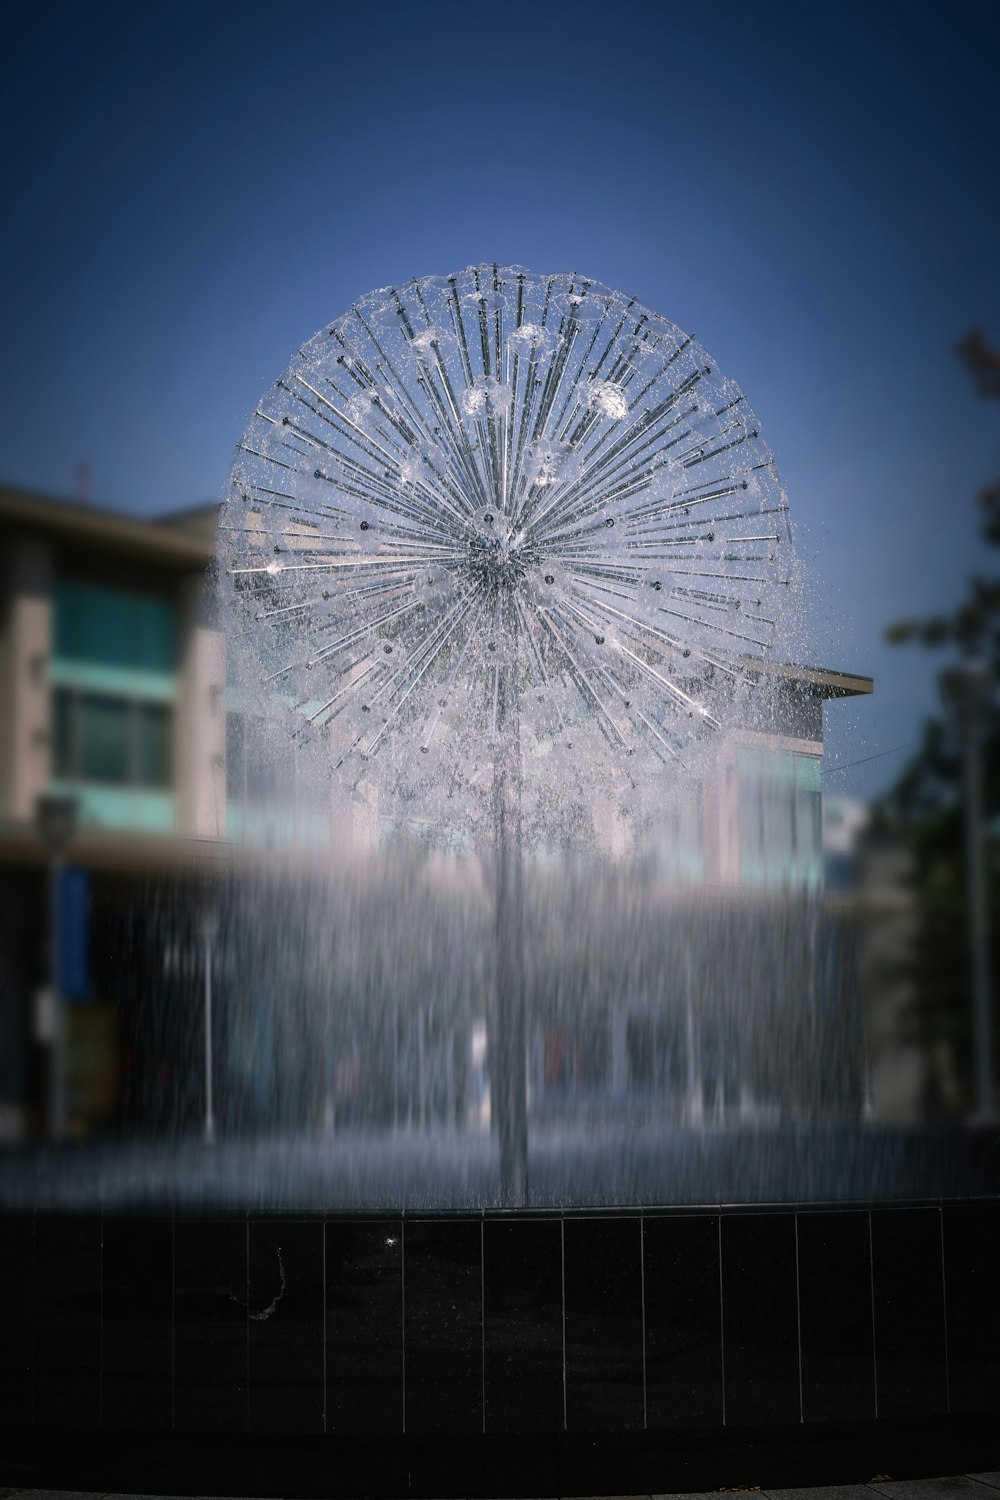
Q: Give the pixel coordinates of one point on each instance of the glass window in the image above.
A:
(106, 629)
(115, 628)
(104, 739)
(780, 812)
(154, 747)
(112, 741)
(234, 756)
(250, 759)
(156, 635)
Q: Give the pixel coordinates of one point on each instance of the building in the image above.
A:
(113, 691)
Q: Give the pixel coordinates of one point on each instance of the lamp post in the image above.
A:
(967, 691)
(55, 818)
(209, 927)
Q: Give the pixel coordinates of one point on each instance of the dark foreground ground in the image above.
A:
(838, 1464)
(983, 1486)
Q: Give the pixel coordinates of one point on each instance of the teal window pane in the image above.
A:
(807, 772)
(155, 745)
(104, 739)
(810, 824)
(114, 628)
(156, 636)
(63, 748)
(106, 629)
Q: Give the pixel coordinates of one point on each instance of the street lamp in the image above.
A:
(209, 925)
(968, 694)
(55, 818)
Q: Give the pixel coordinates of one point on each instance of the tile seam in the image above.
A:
(562, 1252)
(642, 1285)
(100, 1376)
(173, 1324)
(798, 1314)
(944, 1317)
(246, 1309)
(871, 1286)
(722, 1327)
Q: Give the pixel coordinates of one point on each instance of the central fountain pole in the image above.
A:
(510, 1095)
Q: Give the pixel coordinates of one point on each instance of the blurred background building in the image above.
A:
(113, 695)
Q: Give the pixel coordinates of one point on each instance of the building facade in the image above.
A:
(113, 692)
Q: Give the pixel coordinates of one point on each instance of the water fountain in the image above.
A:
(520, 526)
(504, 561)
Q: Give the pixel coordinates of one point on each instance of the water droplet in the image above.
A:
(387, 650)
(599, 639)
(365, 526)
(610, 521)
(549, 578)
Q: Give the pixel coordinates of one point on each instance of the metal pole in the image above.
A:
(979, 961)
(510, 1071)
(209, 1116)
(57, 1092)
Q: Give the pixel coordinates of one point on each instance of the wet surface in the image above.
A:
(613, 1165)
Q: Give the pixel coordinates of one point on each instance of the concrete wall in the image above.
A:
(25, 721)
(200, 748)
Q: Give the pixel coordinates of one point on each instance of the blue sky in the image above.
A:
(191, 190)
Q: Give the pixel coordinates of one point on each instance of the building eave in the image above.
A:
(824, 682)
(104, 529)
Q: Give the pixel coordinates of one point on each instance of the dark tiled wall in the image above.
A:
(521, 1323)
(210, 1326)
(364, 1327)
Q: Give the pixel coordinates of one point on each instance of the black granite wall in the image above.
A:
(539, 1323)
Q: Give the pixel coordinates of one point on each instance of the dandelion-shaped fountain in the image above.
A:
(501, 545)
(495, 536)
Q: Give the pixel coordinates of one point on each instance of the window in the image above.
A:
(251, 759)
(111, 741)
(155, 748)
(780, 810)
(114, 628)
(103, 739)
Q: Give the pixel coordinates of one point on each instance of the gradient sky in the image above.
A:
(811, 190)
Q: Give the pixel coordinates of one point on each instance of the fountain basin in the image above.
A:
(483, 1352)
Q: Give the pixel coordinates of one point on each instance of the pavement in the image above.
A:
(948, 1487)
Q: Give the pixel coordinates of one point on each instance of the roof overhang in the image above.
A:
(821, 682)
(105, 530)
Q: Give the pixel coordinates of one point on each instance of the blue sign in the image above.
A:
(74, 934)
